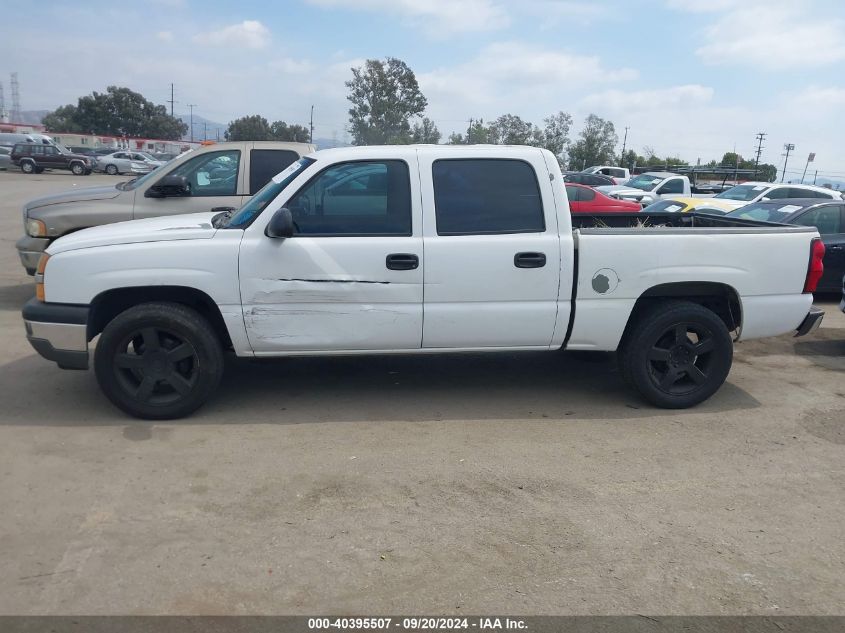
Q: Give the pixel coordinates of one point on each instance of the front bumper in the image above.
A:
(58, 332)
(30, 250)
(811, 322)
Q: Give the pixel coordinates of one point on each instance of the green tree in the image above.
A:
(456, 138)
(249, 128)
(510, 129)
(766, 172)
(596, 144)
(556, 134)
(281, 131)
(117, 112)
(63, 119)
(385, 96)
(425, 131)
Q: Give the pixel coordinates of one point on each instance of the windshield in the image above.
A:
(129, 185)
(251, 210)
(744, 193)
(644, 182)
(765, 211)
(668, 206)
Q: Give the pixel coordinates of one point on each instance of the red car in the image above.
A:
(583, 199)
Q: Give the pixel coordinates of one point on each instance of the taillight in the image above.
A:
(816, 266)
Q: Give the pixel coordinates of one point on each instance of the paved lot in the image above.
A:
(519, 484)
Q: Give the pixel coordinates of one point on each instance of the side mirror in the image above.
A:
(764, 199)
(281, 224)
(169, 186)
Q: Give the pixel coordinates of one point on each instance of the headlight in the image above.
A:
(36, 228)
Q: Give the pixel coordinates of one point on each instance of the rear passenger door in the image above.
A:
(492, 252)
(830, 222)
(266, 163)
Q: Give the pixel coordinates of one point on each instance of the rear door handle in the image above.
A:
(835, 247)
(529, 260)
(402, 261)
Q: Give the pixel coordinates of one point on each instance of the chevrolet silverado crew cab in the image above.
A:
(220, 175)
(415, 249)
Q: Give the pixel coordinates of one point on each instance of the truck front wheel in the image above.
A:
(677, 354)
(158, 361)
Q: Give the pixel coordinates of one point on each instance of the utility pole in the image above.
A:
(788, 147)
(624, 144)
(311, 136)
(760, 136)
(816, 175)
(171, 99)
(810, 158)
(469, 132)
(192, 106)
(205, 130)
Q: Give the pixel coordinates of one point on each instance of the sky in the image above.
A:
(688, 78)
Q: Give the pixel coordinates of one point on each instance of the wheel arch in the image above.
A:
(720, 298)
(108, 304)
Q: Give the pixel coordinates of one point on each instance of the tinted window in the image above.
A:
(586, 195)
(676, 185)
(827, 219)
(478, 196)
(51, 151)
(355, 198)
(617, 173)
(211, 174)
(266, 163)
(779, 193)
(573, 193)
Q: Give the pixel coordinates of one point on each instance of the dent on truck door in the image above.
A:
(351, 277)
(492, 254)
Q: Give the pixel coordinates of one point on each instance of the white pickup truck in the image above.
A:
(415, 249)
(650, 187)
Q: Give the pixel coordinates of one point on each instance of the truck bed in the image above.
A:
(644, 219)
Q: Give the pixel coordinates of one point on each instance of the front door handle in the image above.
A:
(529, 260)
(402, 261)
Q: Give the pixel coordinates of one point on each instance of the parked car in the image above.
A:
(650, 187)
(826, 216)
(748, 192)
(220, 175)
(685, 205)
(33, 158)
(10, 139)
(583, 199)
(619, 175)
(5, 157)
(590, 180)
(124, 162)
(348, 249)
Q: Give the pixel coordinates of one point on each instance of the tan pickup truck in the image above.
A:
(224, 175)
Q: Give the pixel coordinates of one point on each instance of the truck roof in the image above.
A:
(373, 151)
(661, 174)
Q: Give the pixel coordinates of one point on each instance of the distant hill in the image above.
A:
(203, 128)
(32, 117)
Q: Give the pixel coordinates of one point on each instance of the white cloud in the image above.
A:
(292, 66)
(686, 96)
(771, 36)
(248, 34)
(165, 36)
(820, 98)
(435, 17)
(508, 73)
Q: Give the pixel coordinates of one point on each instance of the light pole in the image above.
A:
(788, 147)
(624, 144)
(810, 159)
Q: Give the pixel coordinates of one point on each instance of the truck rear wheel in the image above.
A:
(677, 354)
(158, 361)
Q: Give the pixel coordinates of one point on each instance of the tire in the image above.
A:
(39, 170)
(111, 170)
(77, 169)
(158, 361)
(27, 167)
(677, 354)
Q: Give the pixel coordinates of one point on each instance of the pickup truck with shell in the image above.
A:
(650, 187)
(223, 175)
(415, 250)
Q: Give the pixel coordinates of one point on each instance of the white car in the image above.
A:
(649, 187)
(125, 162)
(414, 250)
(749, 192)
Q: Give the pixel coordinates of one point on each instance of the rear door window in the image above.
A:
(266, 163)
(827, 219)
(573, 193)
(486, 196)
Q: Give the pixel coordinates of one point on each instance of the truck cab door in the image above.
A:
(215, 180)
(493, 252)
(350, 278)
